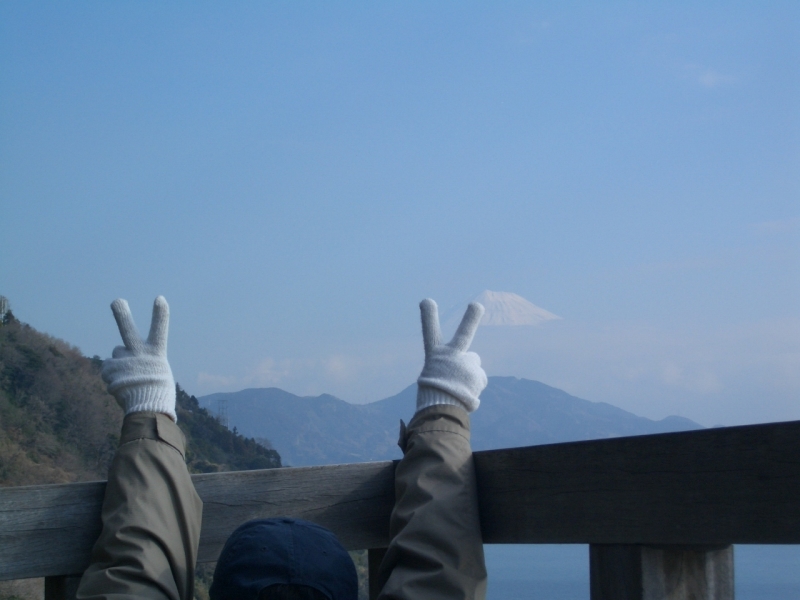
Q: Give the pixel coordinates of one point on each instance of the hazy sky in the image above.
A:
(294, 177)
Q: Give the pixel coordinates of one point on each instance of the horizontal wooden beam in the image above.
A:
(735, 485)
(717, 486)
(50, 529)
(354, 501)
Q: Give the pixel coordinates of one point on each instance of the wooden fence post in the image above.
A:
(374, 558)
(628, 572)
(61, 587)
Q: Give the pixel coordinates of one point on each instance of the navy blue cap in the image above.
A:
(266, 552)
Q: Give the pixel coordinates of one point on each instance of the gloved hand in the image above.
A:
(138, 375)
(451, 375)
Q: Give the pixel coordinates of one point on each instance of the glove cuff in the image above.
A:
(428, 395)
(150, 398)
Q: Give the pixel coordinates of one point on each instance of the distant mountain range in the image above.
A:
(514, 412)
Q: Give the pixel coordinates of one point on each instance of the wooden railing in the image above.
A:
(660, 512)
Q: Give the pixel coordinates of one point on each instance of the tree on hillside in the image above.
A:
(6, 316)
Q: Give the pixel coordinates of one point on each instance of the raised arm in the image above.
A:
(151, 512)
(436, 551)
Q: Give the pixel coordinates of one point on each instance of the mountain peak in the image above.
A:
(506, 308)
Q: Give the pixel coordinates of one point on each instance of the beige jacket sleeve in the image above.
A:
(436, 550)
(151, 517)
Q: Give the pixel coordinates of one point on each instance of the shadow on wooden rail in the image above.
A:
(703, 489)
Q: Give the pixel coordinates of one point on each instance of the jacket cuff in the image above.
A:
(153, 426)
(444, 418)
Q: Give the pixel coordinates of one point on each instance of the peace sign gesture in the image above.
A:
(138, 374)
(451, 374)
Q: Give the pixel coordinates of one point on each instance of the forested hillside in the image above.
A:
(58, 424)
(211, 447)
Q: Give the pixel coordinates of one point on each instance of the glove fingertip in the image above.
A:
(428, 304)
(478, 308)
(118, 305)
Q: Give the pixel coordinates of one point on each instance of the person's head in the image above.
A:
(284, 559)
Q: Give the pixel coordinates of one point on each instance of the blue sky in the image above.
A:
(295, 177)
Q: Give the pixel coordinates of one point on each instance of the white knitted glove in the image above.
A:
(451, 375)
(138, 375)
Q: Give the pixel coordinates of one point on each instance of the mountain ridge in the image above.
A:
(514, 412)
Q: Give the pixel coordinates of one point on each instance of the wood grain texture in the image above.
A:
(615, 572)
(626, 572)
(686, 572)
(354, 501)
(49, 530)
(720, 486)
(717, 486)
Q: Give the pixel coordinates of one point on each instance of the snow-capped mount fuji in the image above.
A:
(506, 308)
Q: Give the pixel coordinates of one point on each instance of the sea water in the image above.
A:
(561, 572)
(519, 572)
